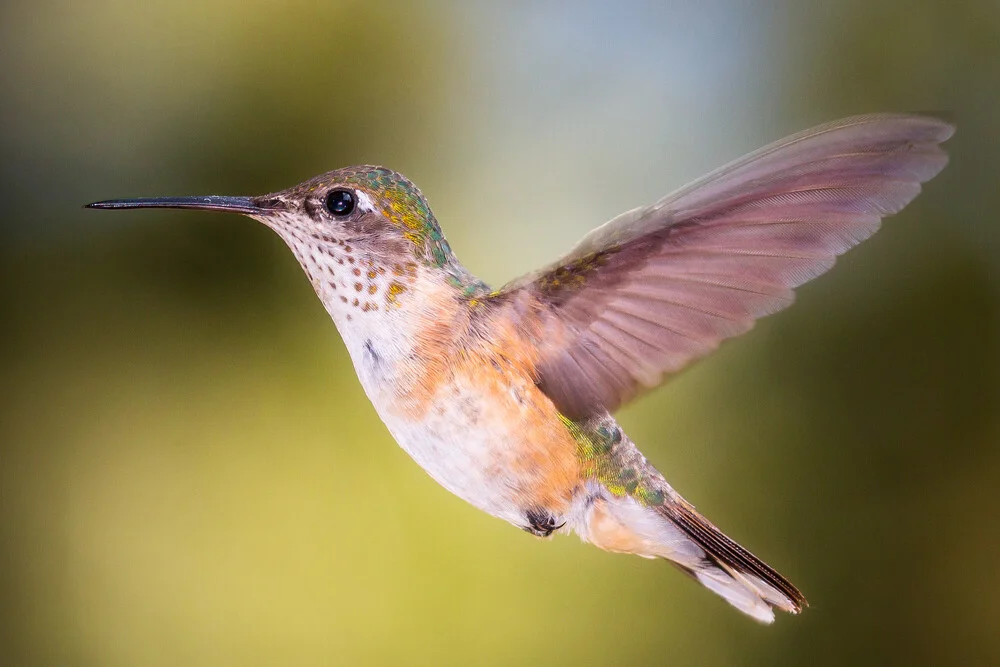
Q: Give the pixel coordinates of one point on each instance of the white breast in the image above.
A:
(457, 439)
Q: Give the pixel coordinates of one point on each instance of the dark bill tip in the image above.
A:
(244, 205)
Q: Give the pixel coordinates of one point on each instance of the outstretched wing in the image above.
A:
(660, 286)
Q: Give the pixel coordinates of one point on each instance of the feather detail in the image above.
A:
(658, 287)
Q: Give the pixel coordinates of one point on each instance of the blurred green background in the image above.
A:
(191, 474)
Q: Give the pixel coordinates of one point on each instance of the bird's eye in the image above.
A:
(340, 202)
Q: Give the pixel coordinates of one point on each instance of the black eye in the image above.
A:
(340, 202)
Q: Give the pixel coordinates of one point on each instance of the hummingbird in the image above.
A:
(505, 396)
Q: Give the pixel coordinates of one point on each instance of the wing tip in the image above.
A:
(940, 125)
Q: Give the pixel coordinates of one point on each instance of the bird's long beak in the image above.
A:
(244, 205)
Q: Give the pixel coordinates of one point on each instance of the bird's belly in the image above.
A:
(486, 433)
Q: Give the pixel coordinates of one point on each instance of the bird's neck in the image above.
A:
(385, 308)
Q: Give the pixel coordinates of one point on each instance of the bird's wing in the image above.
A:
(660, 286)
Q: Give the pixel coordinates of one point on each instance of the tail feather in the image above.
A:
(675, 531)
(739, 568)
(735, 590)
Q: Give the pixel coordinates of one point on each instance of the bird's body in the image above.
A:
(505, 396)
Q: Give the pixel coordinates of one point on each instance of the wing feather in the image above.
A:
(660, 286)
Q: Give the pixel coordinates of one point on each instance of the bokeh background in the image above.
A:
(190, 473)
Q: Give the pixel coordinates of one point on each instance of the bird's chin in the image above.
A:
(284, 225)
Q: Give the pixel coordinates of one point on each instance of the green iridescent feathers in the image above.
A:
(609, 458)
(405, 207)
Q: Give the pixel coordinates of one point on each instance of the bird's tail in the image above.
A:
(667, 526)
